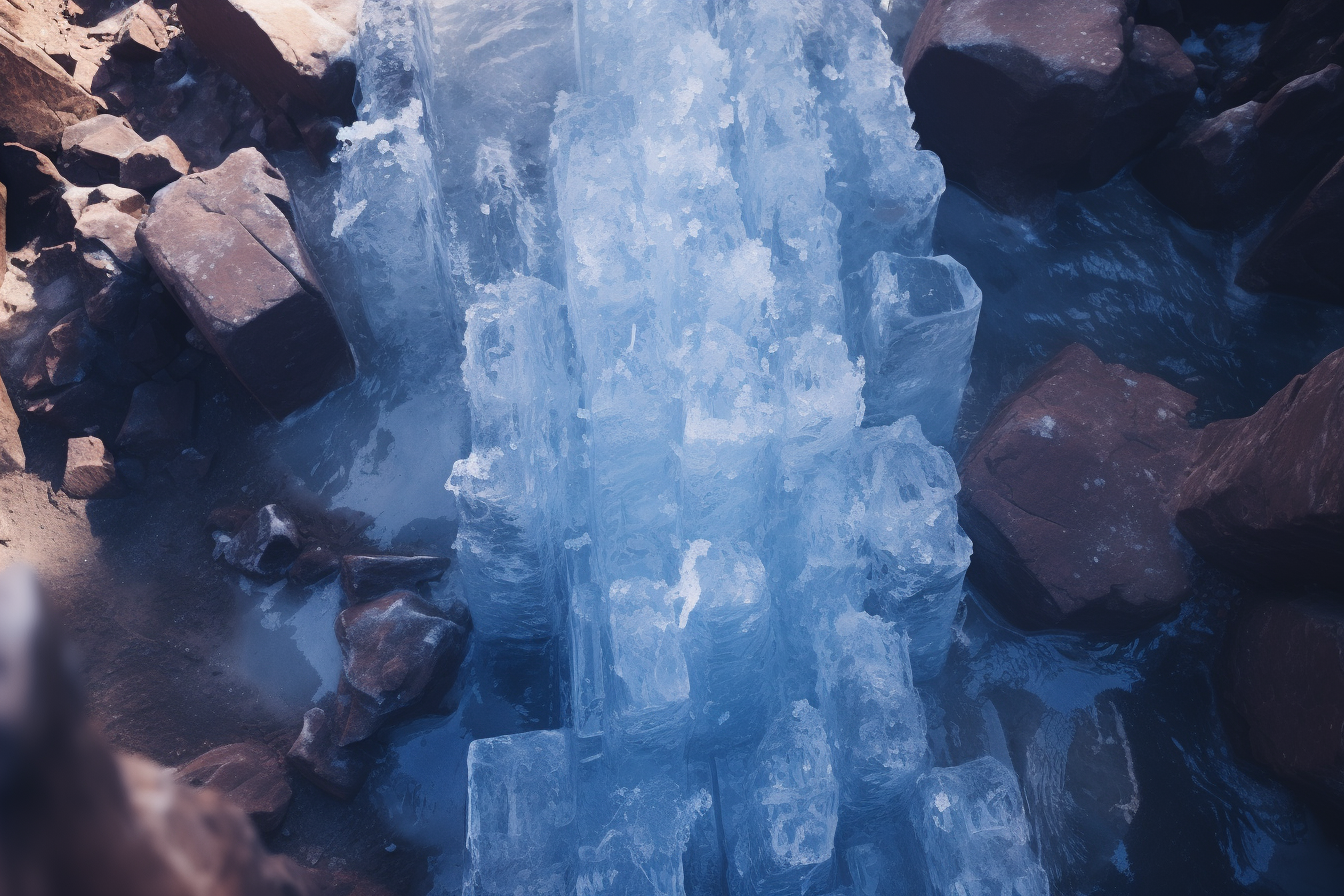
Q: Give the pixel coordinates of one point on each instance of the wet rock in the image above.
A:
(33, 185)
(1022, 97)
(90, 469)
(314, 565)
(1282, 674)
(1236, 166)
(1265, 495)
(91, 151)
(223, 243)
(12, 459)
(153, 165)
(250, 775)
(160, 417)
(1065, 495)
(63, 357)
(340, 771)
(265, 545)
(41, 99)
(142, 36)
(394, 651)
(279, 47)
(364, 577)
(1302, 255)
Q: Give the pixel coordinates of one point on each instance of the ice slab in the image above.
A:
(652, 699)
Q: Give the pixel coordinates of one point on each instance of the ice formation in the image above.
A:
(683, 243)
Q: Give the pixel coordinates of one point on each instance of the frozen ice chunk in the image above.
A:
(653, 690)
(638, 848)
(792, 807)
(520, 815)
(872, 710)
(976, 841)
(919, 320)
(898, 18)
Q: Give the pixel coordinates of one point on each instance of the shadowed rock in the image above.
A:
(1303, 255)
(266, 544)
(160, 417)
(249, 774)
(92, 151)
(152, 165)
(365, 577)
(12, 459)
(340, 771)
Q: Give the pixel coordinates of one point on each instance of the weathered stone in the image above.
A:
(223, 243)
(340, 771)
(279, 47)
(153, 165)
(314, 565)
(1303, 255)
(265, 546)
(1282, 676)
(41, 99)
(1265, 495)
(91, 151)
(113, 231)
(393, 652)
(364, 577)
(1065, 495)
(1022, 97)
(160, 417)
(12, 459)
(250, 775)
(142, 36)
(64, 356)
(88, 406)
(90, 469)
(33, 185)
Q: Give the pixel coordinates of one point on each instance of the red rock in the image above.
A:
(265, 545)
(340, 771)
(153, 165)
(1065, 495)
(63, 358)
(91, 151)
(12, 459)
(313, 565)
(250, 775)
(364, 577)
(1265, 494)
(41, 99)
(142, 36)
(33, 185)
(90, 469)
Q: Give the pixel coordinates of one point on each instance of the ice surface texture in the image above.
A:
(685, 238)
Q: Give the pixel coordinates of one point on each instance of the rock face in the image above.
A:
(249, 774)
(279, 48)
(340, 771)
(1303, 255)
(90, 469)
(41, 100)
(266, 544)
(1065, 495)
(392, 651)
(1265, 495)
(223, 242)
(366, 577)
(1283, 690)
(1022, 97)
(12, 459)
(33, 185)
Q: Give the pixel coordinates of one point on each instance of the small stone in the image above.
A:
(190, 466)
(91, 151)
(250, 775)
(90, 469)
(153, 165)
(266, 545)
(364, 577)
(123, 199)
(314, 565)
(160, 417)
(340, 771)
(63, 357)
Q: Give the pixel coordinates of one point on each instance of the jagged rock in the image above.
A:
(1282, 674)
(223, 242)
(160, 417)
(64, 356)
(41, 99)
(266, 544)
(1065, 495)
(250, 775)
(279, 47)
(1303, 38)
(1023, 97)
(1265, 495)
(142, 36)
(12, 458)
(33, 185)
(393, 651)
(364, 577)
(340, 771)
(153, 165)
(1237, 165)
(112, 230)
(91, 151)
(1303, 255)
(90, 469)
(314, 565)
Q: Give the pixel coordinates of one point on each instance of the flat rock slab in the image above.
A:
(1265, 496)
(364, 577)
(223, 242)
(41, 100)
(250, 775)
(1065, 495)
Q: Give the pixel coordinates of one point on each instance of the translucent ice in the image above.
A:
(635, 847)
(653, 691)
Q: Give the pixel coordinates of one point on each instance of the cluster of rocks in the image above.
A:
(138, 254)
(1075, 493)
(400, 652)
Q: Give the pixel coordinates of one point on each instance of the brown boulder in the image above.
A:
(142, 36)
(40, 99)
(1023, 97)
(1282, 674)
(63, 357)
(92, 151)
(313, 565)
(249, 774)
(12, 459)
(340, 771)
(1065, 496)
(223, 242)
(365, 577)
(90, 470)
(1303, 254)
(1265, 494)
(152, 165)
